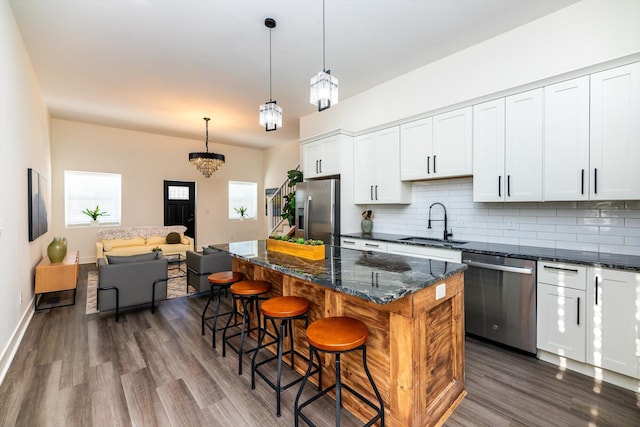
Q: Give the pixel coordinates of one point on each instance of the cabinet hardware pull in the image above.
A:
(582, 184)
(507, 268)
(596, 277)
(372, 245)
(428, 164)
(573, 270)
(376, 192)
(595, 180)
(499, 185)
(371, 191)
(348, 242)
(508, 185)
(434, 163)
(320, 165)
(578, 310)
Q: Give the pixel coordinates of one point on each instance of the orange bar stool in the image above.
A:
(220, 281)
(338, 335)
(248, 293)
(283, 310)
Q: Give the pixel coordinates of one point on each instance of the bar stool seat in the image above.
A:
(338, 335)
(248, 293)
(284, 309)
(219, 282)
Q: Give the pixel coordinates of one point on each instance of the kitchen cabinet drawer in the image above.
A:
(425, 252)
(562, 275)
(364, 245)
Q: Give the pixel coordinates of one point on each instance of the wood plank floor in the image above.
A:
(157, 370)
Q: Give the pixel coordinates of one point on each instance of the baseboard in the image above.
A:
(12, 347)
(600, 374)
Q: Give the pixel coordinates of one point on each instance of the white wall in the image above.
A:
(581, 35)
(610, 227)
(278, 160)
(145, 161)
(24, 143)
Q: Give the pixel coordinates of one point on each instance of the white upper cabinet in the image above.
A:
(377, 169)
(452, 148)
(615, 134)
(321, 158)
(416, 149)
(488, 151)
(566, 140)
(437, 147)
(523, 146)
(507, 138)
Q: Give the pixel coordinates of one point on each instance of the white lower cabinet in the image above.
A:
(440, 254)
(363, 245)
(590, 315)
(425, 252)
(561, 313)
(613, 325)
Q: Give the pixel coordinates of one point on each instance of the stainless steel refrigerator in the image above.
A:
(318, 210)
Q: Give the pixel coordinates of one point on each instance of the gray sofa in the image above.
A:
(127, 281)
(201, 264)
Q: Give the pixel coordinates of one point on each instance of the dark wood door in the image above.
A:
(180, 205)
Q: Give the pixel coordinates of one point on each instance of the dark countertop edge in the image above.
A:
(595, 259)
(364, 296)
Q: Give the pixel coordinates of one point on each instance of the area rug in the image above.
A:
(176, 287)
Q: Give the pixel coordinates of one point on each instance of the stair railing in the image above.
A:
(275, 203)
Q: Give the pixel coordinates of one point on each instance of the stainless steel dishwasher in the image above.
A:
(500, 299)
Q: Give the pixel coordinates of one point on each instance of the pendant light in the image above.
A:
(270, 112)
(206, 162)
(324, 86)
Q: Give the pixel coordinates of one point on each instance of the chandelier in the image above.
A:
(206, 162)
(324, 86)
(270, 112)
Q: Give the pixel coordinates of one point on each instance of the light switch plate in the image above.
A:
(441, 291)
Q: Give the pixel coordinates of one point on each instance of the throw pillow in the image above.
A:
(173, 238)
(208, 251)
(112, 259)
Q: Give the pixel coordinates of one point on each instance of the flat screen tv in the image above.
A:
(37, 189)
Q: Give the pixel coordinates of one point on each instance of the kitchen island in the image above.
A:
(414, 309)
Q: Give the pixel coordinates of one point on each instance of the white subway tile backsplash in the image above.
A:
(612, 226)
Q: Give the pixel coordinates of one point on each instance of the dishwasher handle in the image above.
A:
(509, 269)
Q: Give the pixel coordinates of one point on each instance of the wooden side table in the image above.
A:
(56, 277)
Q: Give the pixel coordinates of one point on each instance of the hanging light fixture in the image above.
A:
(270, 112)
(324, 86)
(206, 162)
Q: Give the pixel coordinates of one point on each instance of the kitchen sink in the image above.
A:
(432, 241)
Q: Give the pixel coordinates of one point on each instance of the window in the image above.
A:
(86, 190)
(243, 195)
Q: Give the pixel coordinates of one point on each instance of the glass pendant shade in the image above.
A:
(324, 90)
(270, 116)
(207, 163)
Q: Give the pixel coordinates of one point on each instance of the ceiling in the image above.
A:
(160, 66)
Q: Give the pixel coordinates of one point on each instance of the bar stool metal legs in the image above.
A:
(247, 292)
(285, 310)
(219, 282)
(337, 336)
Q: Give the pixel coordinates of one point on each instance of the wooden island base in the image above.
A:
(415, 349)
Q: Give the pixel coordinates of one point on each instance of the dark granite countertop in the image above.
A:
(596, 259)
(378, 277)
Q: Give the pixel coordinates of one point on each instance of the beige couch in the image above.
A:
(140, 240)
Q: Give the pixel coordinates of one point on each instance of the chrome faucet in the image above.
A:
(446, 233)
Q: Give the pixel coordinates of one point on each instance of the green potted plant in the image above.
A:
(94, 214)
(289, 208)
(242, 211)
